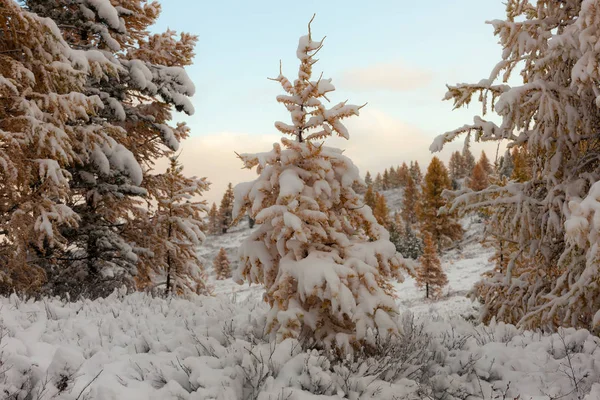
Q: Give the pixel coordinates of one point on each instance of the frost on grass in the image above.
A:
(140, 347)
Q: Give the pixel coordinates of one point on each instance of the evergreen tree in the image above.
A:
(415, 172)
(456, 166)
(175, 227)
(430, 274)
(385, 182)
(506, 165)
(226, 209)
(314, 231)
(468, 160)
(441, 224)
(378, 184)
(393, 177)
(479, 179)
(547, 215)
(42, 114)
(368, 179)
(137, 78)
(214, 224)
(221, 265)
(403, 173)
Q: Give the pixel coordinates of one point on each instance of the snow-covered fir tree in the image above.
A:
(430, 274)
(368, 179)
(415, 172)
(548, 215)
(321, 255)
(221, 265)
(138, 78)
(456, 166)
(42, 114)
(214, 227)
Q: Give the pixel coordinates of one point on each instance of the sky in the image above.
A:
(395, 55)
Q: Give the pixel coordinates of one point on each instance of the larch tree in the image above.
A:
(176, 232)
(370, 197)
(410, 203)
(226, 209)
(436, 220)
(479, 178)
(485, 163)
(321, 255)
(381, 212)
(430, 274)
(549, 277)
(213, 220)
(221, 265)
(42, 114)
(138, 78)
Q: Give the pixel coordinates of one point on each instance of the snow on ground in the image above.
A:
(139, 347)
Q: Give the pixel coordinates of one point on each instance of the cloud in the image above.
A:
(377, 141)
(394, 76)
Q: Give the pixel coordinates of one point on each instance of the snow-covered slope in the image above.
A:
(139, 347)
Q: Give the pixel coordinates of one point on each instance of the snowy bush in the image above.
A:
(141, 347)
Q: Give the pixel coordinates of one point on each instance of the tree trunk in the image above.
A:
(427, 290)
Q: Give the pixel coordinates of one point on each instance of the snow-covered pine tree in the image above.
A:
(456, 166)
(393, 176)
(551, 218)
(221, 265)
(441, 224)
(403, 172)
(226, 209)
(214, 227)
(415, 172)
(378, 183)
(368, 179)
(138, 78)
(174, 232)
(430, 273)
(385, 182)
(321, 255)
(468, 159)
(42, 114)
(506, 165)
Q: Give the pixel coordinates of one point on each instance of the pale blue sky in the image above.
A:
(241, 43)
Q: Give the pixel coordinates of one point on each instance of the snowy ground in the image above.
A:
(139, 347)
